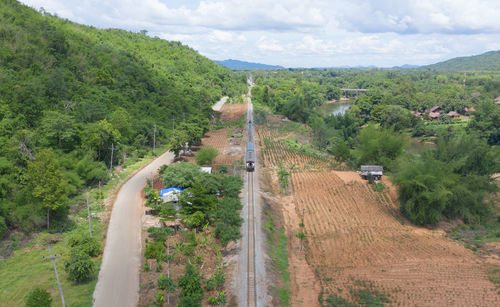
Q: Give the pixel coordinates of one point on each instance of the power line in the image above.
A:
(111, 162)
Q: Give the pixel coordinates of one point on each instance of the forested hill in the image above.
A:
(489, 61)
(69, 92)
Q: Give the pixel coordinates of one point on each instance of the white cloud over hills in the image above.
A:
(304, 33)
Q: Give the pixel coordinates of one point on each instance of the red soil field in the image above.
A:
(356, 235)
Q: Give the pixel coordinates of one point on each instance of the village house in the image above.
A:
(453, 114)
(375, 170)
(435, 109)
(434, 115)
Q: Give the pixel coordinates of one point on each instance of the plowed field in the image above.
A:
(273, 152)
(231, 113)
(355, 235)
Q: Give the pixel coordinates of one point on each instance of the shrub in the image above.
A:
(79, 266)
(154, 250)
(38, 297)
(205, 156)
(88, 245)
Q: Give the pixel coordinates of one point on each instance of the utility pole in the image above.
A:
(88, 213)
(154, 140)
(173, 126)
(53, 258)
(100, 201)
(111, 163)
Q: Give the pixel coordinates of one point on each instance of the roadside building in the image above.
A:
(170, 194)
(375, 170)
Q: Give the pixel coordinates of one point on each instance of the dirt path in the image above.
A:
(118, 283)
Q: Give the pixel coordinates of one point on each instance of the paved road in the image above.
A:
(218, 106)
(118, 283)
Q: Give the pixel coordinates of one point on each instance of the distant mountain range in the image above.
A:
(236, 64)
(489, 61)
(486, 61)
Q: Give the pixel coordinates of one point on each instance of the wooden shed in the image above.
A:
(375, 170)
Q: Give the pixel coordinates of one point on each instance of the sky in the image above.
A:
(303, 33)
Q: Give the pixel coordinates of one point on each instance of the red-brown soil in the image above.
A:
(356, 234)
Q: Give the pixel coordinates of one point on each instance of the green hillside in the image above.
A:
(69, 92)
(489, 61)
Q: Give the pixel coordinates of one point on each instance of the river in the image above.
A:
(336, 108)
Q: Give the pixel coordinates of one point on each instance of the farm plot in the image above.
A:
(273, 152)
(231, 113)
(230, 149)
(354, 236)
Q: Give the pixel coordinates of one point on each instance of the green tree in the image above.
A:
(378, 145)
(59, 130)
(45, 181)
(98, 138)
(192, 292)
(181, 175)
(79, 266)
(206, 156)
(38, 297)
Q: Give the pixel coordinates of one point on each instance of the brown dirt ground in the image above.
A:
(355, 233)
(230, 149)
(231, 113)
(357, 236)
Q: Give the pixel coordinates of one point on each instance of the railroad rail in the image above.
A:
(251, 278)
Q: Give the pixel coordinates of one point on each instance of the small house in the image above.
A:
(434, 115)
(206, 169)
(375, 170)
(453, 114)
(170, 194)
(435, 109)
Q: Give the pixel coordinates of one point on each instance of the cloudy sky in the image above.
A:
(303, 33)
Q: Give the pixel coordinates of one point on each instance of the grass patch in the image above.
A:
(277, 243)
(26, 269)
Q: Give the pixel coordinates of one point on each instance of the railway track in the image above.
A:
(251, 280)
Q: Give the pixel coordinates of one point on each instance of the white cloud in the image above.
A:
(304, 32)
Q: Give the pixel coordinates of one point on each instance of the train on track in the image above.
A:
(250, 157)
(250, 152)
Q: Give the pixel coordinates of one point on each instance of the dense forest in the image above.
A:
(70, 93)
(451, 179)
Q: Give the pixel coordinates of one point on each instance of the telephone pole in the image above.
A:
(53, 258)
(88, 213)
(111, 162)
(173, 126)
(154, 140)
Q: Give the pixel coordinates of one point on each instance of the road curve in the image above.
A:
(118, 282)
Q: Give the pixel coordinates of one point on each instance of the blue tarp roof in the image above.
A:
(170, 189)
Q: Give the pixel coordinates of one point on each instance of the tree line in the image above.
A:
(76, 100)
